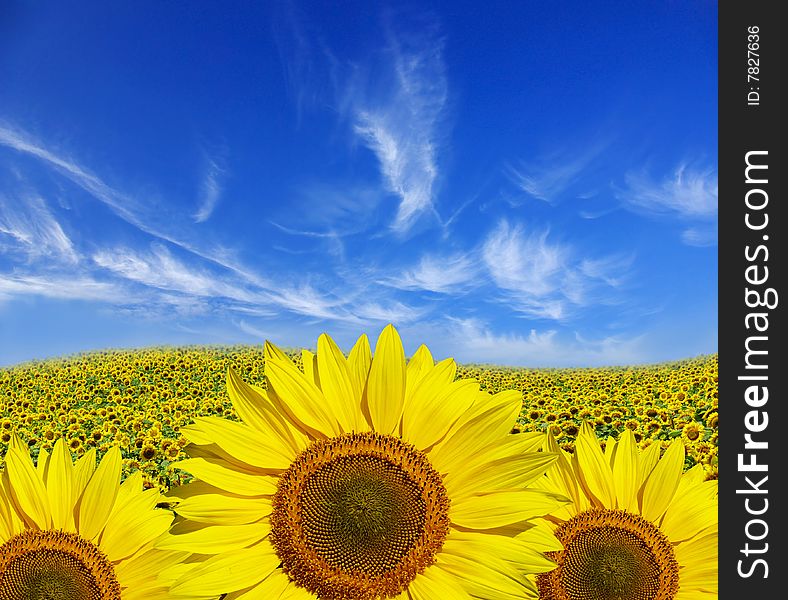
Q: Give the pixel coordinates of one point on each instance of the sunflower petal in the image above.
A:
(661, 485)
(336, 381)
(434, 582)
(27, 488)
(99, 496)
(256, 410)
(305, 402)
(220, 509)
(240, 441)
(386, 384)
(60, 487)
(228, 572)
(435, 405)
(512, 549)
(226, 478)
(596, 471)
(215, 539)
(625, 470)
(309, 360)
(359, 361)
(497, 509)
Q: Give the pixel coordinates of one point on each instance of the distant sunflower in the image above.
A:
(362, 479)
(692, 433)
(637, 528)
(71, 532)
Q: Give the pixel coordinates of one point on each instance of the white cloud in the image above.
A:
(75, 287)
(161, 270)
(699, 236)
(542, 279)
(400, 126)
(123, 205)
(390, 312)
(34, 229)
(120, 204)
(210, 191)
(688, 193)
(550, 178)
(442, 275)
(476, 342)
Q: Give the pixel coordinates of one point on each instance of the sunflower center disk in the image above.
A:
(54, 565)
(611, 555)
(359, 516)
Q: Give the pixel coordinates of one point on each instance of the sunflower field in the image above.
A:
(138, 401)
(244, 473)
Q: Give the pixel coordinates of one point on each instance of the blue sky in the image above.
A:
(517, 183)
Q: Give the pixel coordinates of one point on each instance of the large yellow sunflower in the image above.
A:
(638, 528)
(364, 478)
(70, 532)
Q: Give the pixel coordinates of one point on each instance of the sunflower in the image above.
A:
(70, 532)
(637, 528)
(692, 432)
(361, 479)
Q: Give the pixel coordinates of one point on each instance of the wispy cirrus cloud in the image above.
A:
(440, 274)
(551, 177)
(147, 219)
(400, 123)
(689, 194)
(121, 204)
(159, 269)
(64, 287)
(33, 229)
(210, 191)
(544, 279)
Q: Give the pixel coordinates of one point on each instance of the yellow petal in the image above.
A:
(625, 471)
(595, 470)
(10, 522)
(419, 365)
(215, 539)
(435, 406)
(561, 475)
(512, 472)
(60, 487)
(99, 496)
(487, 422)
(309, 360)
(359, 361)
(225, 478)
(386, 384)
(648, 460)
(271, 588)
(84, 467)
(299, 397)
(228, 572)
(497, 509)
(27, 488)
(121, 539)
(514, 550)
(140, 566)
(660, 488)
(240, 441)
(485, 577)
(256, 410)
(219, 509)
(336, 381)
(433, 583)
(43, 464)
(539, 536)
(693, 509)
